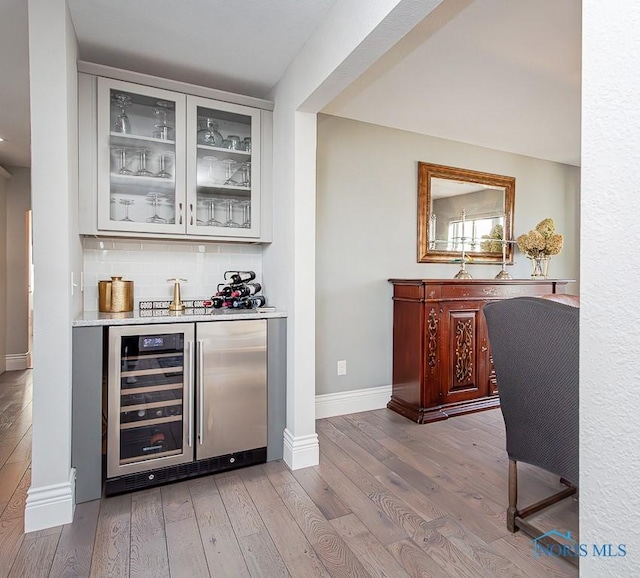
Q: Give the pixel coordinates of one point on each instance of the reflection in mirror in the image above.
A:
(465, 210)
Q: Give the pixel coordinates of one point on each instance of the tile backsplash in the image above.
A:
(149, 263)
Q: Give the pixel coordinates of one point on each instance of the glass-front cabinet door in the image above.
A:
(223, 169)
(141, 161)
(150, 397)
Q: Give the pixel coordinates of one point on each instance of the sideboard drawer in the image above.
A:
(489, 291)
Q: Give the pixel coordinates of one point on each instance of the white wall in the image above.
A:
(352, 36)
(4, 176)
(609, 315)
(18, 203)
(150, 263)
(367, 233)
(57, 254)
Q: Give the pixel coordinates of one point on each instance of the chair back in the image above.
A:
(534, 344)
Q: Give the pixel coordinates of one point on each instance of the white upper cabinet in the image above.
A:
(141, 160)
(223, 169)
(159, 163)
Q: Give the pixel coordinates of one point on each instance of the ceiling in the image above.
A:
(501, 74)
(494, 73)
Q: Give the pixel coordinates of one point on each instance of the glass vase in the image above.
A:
(540, 267)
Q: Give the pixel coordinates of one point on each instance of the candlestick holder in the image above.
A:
(504, 274)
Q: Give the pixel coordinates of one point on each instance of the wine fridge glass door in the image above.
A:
(150, 398)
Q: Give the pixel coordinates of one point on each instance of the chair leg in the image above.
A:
(512, 512)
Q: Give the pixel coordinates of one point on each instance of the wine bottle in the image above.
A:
(246, 290)
(242, 303)
(225, 290)
(238, 277)
(258, 301)
(217, 302)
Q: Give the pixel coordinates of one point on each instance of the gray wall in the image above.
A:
(3, 270)
(366, 234)
(18, 203)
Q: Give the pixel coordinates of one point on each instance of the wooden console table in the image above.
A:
(442, 363)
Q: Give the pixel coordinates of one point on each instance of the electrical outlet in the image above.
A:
(342, 367)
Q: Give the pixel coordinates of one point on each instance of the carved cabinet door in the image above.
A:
(465, 357)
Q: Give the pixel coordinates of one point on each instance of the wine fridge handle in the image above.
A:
(191, 388)
(201, 389)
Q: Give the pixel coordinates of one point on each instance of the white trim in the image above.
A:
(174, 85)
(50, 506)
(354, 401)
(17, 361)
(301, 452)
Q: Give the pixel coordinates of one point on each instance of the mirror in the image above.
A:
(461, 208)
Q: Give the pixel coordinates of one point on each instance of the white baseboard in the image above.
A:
(333, 404)
(301, 452)
(17, 361)
(50, 506)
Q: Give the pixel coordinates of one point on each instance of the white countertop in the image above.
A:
(137, 317)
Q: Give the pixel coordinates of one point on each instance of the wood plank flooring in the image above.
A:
(389, 498)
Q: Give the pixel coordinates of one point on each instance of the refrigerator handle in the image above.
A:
(201, 389)
(191, 388)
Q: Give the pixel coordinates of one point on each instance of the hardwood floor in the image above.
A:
(389, 498)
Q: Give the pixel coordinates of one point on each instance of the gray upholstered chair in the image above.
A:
(534, 343)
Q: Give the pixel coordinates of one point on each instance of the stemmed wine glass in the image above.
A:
(123, 170)
(164, 128)
(153, 197)
(246, 213)
(245, 169)
(127, 203)
(229, 171)
(230, 222)
(122, 124)
(143, 171)
(211, 160)
(211, 207)
(163, 173)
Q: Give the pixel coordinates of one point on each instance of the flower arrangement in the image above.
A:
(492, 243)
(543, 241)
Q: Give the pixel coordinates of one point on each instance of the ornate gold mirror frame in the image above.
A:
(459, 207)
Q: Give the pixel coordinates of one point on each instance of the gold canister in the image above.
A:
(115, 296)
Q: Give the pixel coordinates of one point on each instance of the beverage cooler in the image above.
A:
(185, 399)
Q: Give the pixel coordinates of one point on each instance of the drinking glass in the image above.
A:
(163, 173)
(143, 171)
(230, 222)
(234, 142)
(153, 198)
(127, 203)
(122, 155)
(246, 144)
(122, 124)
